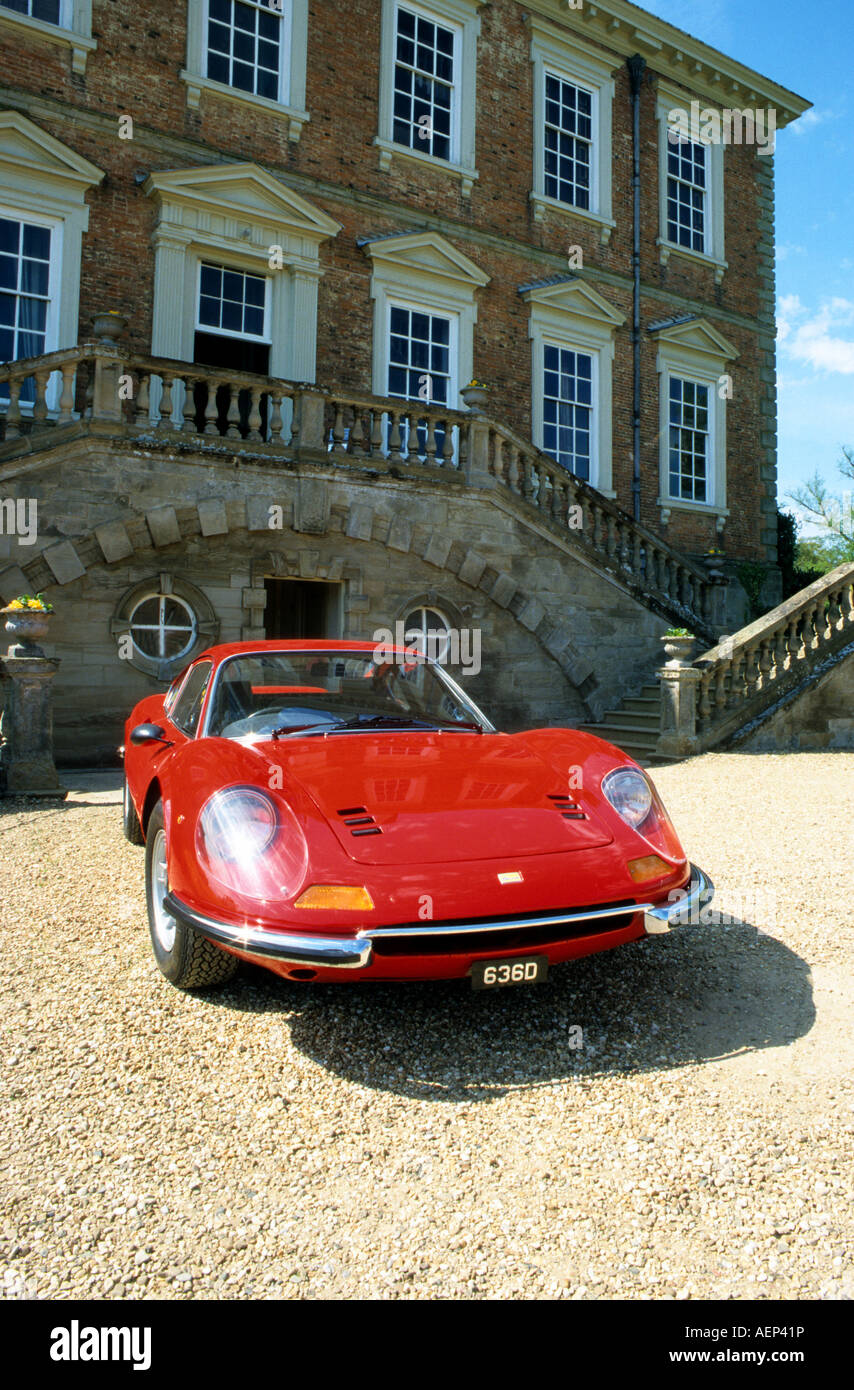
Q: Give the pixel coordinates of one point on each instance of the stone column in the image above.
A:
(27, 727)
(678, 737)
(477, 463)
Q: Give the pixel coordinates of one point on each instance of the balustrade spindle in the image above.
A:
(514, 470)
(165, 421)
(276, 422)
(430, 445)
(448, 446)
(611, 540)
(637, 555)
(188, 408)
(527, 480)
(721, 697)
(211, 409)
(255, 417)
(736, 692)
(338, 430)
(357, 434)
(66, 399)
(142, 413)
(376, 433)
(704, 707)
(766, 661)
(13, 414)
(781, 650)
(40, 405)
(394, 439)
(232, 414)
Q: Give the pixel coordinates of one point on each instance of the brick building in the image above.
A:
(380, 203)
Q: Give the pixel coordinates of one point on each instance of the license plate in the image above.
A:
(515, 970)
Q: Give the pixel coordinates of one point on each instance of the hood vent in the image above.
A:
(569, 809)
(359, 821)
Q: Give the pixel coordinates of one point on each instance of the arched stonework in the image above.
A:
(311, 514)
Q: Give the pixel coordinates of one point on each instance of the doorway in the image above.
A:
(302, 608)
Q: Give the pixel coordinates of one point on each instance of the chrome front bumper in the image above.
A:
(355, 952)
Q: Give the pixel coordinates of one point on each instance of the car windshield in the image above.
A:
(282, 694)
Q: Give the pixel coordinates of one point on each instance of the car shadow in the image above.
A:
(694, 996)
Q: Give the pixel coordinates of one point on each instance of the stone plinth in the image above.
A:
(678, 737)
(27, 728)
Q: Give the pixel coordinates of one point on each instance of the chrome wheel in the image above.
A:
(165, 926)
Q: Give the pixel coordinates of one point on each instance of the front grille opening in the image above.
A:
(522, 940)
(569, 809)
(359, 821)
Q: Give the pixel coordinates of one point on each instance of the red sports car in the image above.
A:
(338, 811)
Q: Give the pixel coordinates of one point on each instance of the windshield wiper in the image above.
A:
(364, 721)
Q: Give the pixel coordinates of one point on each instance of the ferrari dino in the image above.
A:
(337, 811)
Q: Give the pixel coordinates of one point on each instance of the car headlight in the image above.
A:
(252, 844)
(237, 824)
(630, 795)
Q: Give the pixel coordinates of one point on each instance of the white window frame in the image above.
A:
(565, 345)
(463, 17)
(292, 78)
(422, 270)
(44, 181)
(73, 31)
(266, 338)
(416, 306)
(55, 225)
(556, 53)
(667, 379)
(669, 99)
(706, 364)
(232, 215)
(572, 315)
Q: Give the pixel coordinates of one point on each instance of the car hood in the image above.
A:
(439, 798)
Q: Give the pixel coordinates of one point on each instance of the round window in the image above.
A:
(163, 627)
(428, 631)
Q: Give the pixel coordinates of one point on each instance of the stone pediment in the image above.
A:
(241, 191)
(426, 254)
(32, 150)
(572, 296)
(696, 335)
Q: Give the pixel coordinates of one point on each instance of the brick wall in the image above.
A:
(134, 71)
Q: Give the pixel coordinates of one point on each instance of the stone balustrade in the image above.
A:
(104, 387)
(746, 674)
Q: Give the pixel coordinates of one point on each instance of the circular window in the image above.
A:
(163, 627)
(429, 632)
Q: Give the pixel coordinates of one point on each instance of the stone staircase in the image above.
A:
(634, 726)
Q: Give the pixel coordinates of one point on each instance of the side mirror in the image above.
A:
(148, 733)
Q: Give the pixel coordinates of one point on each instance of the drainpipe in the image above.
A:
(637, 67)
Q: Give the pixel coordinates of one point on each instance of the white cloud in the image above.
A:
(810, 119)
(815, 337)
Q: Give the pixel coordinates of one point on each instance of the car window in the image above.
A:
(172, 693)
(188, 706)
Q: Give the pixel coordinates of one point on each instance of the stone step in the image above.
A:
(627, 736)
(643, 719)
(642, 704)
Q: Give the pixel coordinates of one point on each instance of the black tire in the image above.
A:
(188, 960)
(130, 820)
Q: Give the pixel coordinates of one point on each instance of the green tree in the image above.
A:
(831, 511)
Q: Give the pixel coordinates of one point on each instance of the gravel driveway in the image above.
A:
(277, 1140)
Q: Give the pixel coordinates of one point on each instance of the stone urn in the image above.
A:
(678, 649)
(109, 326)
(475, 398)
(27, 627)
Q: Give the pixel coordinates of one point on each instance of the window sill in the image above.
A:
(542, 202)
(388, 149)
(677, 504)
(666, 249)
(80, 45)
(197, 84)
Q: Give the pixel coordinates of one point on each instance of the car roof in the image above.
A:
(304, 644)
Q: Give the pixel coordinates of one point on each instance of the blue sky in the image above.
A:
(807, 48)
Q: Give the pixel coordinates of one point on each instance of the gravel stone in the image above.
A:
(284, 1141)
